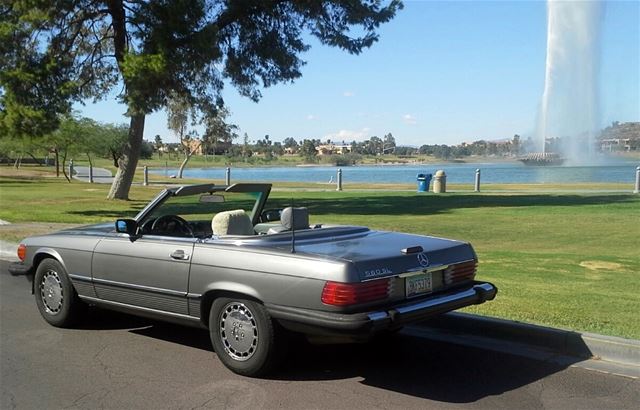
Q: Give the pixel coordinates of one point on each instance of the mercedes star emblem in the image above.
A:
(422, 258)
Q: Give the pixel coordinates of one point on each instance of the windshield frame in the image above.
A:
(188, 190)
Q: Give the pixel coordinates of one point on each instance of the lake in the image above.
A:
(500, 173)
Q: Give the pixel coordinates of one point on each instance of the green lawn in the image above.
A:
(565, 260)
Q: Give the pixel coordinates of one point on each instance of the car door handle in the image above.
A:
(179, 254)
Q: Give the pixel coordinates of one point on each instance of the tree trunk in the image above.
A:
(184, 163)
(129, 160)
(57, 163)
(64, 170)
(35, 159)
(114, 156)
(18, 162)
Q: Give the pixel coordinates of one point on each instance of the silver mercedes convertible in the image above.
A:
(215, 257)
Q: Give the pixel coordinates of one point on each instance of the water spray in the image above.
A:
(570, 99)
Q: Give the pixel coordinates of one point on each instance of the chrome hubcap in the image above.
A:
(51, 292)
(238, 331)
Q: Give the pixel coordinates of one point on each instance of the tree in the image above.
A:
(158, 145)
(146, 151)
(357, 147)
(246, 152)
(373, 146)
(264, 146)
(19, 147)
(405, 151)
(389, 144)
(69, 139)
(106, 140)
(426, 149)
(291, 143)
(278, 149)
(442, 151)
(59, 51)
(308, 149)
(178, 113)
(218, 131)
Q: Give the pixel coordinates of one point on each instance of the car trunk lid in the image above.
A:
(383, 254)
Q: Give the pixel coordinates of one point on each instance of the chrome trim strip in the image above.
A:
(378, 316)
(138, 287)
(442, 300)
(133, 307)
(159, 198)
(436, 301)
(487, 287)
(420, 269)
(414, 272)
(80, 278)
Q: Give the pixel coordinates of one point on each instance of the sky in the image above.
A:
(441, 73)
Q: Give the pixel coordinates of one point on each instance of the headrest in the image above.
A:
(299, 217)
(235, 222)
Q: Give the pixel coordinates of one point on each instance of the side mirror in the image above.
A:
(128, 226)
(270, 215)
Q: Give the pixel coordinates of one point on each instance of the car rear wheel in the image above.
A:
(56, 298)
(243, 336)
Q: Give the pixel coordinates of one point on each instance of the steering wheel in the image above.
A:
(171, 223)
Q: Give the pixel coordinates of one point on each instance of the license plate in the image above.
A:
(418, 284)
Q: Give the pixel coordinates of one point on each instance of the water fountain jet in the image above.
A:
(570, 100)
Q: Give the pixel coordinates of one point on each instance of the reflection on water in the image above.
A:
(510, 173)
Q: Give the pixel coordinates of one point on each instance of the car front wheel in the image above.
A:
(243, 336)
(56, 298)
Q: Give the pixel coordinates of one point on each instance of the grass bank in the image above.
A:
(568, 260)
(201, 161)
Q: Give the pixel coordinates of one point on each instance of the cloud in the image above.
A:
(348, 93)
(312, 117)
(409, 119)
(349, 135)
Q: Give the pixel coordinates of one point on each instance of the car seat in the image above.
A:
(235, 222)
(292, 218)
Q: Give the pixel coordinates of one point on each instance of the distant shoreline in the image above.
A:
(382, 163)
(617, 160)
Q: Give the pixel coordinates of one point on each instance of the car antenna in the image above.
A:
(293, 230)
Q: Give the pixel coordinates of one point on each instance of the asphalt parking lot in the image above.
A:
(121, 362)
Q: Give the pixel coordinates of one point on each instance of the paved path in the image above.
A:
(118, 362)
(100, 175)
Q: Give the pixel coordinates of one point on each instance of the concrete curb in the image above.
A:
(8, 251)
(558, 341)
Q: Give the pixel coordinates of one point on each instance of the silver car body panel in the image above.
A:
(172, 276)
(143, 272)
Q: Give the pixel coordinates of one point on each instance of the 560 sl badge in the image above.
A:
(377, 272)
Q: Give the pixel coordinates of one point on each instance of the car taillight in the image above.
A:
(460, 272)
(343, 294)
(22, 251)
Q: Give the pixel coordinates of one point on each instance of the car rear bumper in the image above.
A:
(19, 268)
(330, 323)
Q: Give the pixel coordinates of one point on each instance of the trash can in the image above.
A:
(423, 182)
(440, 182)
